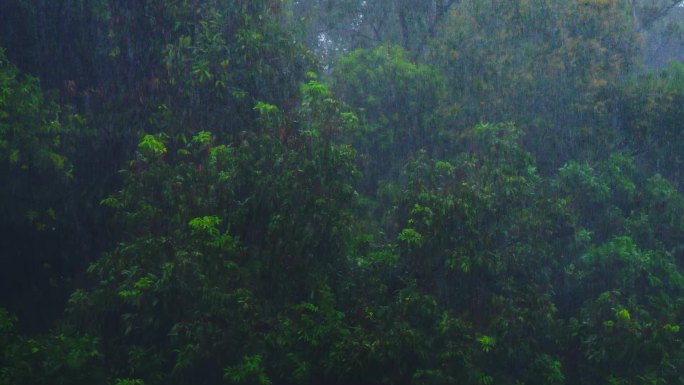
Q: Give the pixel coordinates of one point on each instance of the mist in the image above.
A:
(284, 192)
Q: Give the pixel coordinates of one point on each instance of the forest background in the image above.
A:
(341, 192)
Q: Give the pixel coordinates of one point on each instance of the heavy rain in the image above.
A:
(342, 192)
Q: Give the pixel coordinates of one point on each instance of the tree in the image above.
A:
(546, 65)
(398, 103)
(129, 67)
(651, 120)
(38, 140)
(485, 241)
(224, 241)
(340, 26)
(647, 13)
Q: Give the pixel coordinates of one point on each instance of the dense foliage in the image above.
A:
(341, 192)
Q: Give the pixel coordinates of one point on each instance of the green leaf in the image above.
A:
(152, 146)
(205, 225)
(411, 237)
